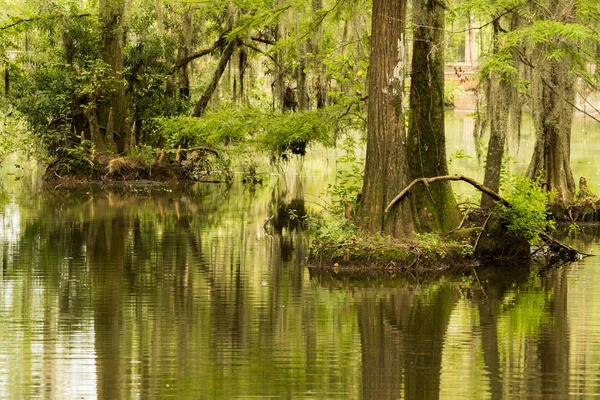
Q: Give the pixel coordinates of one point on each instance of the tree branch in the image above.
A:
(184, 61)
(547, 238)
(427, 181)
(549, 86)
(40, 17)
(208, 92)
(262, 40)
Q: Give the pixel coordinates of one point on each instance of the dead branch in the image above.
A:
(427, 181)
(547, 238)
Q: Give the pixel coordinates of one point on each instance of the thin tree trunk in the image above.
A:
(499, 91)
(386, 168)
(210, 90)
(183, 52)
(499, 108)
(6, 79)
(426, 135)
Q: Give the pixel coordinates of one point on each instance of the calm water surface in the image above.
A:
(186, 293)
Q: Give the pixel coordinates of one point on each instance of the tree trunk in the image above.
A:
(386, 169)
(210, 90)
(426, 136)
(553, 116)
(503, 105)
(185, 43)
(499, 107)
(6, 79)
(321, 80)
(111, 14)
(553, 99)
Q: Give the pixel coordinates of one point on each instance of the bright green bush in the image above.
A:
(527, 215)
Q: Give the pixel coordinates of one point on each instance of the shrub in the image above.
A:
(526, 215)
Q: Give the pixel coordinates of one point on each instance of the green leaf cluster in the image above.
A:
(527, 215)
(270, 131)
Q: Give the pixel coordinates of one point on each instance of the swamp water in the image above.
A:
(185, 293)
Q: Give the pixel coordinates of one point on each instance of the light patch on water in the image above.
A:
(10, 224)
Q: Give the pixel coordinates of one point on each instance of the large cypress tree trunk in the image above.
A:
(386, 169)
(552, 119)
(426, 136)
(553, 97)
(111, 14)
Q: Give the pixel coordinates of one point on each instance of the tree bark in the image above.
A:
(553, 116)
(208, 92)
(498, 107)
(426, 135)
(183, 54)
(386, 167)
(553, 100)
(111, 14)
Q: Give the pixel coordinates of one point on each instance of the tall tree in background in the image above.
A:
(553, 95)
(426, 135)
(386, 169)
(502, 102)
(112, 109)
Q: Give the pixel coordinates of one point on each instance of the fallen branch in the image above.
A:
(547, 238)
(427, 181)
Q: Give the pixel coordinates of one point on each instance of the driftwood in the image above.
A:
(547, 238)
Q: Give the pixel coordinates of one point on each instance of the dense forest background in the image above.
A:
(151, 80)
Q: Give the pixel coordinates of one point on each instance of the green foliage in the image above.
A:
(527, 215)
(14, 135)
(574, 229)
(78, 160)
(274, 132)
(144, 155)
(349, 179)
(451, 90)
(458, 155)
(336, 231)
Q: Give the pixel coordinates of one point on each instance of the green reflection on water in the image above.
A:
(182, 293)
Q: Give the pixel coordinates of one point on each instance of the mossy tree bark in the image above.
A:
(111, 15)
(498, 108)
(552, 109)
(426, 135)
(552, 115)
(210, 90)
(502, 99)
(386, 168)
(183, 52)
